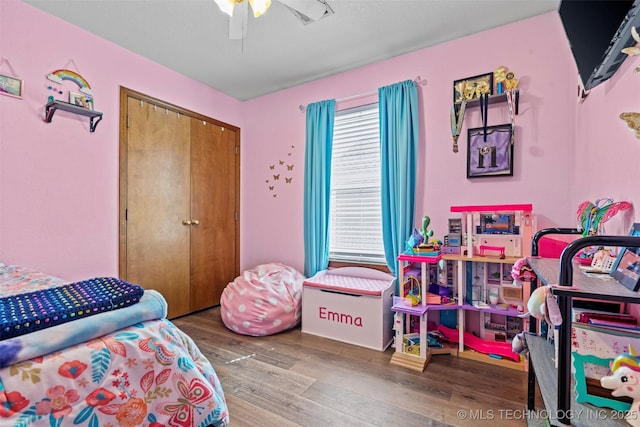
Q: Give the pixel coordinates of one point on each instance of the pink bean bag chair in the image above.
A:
(263, 301)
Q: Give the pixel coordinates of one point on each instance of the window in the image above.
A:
(355, 219)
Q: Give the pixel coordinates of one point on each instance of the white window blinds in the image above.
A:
(355, 233)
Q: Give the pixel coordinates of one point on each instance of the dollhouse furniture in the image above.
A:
(349, 304)
(557, 385)
(411, 319)
(487, 241)
(487, 315)
(492, 239)
(507, 228)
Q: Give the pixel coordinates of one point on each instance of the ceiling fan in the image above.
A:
(306, 11)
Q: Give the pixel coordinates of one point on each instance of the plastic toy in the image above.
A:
(424, 230)
(625, 381)
(519, 344)
(504, 229)
(414, 240)
(413, 295)
(419, 243)
(478, 344)
(543, 306)
(433, 339)
(522, 271)
(602, 260)
(592, 216)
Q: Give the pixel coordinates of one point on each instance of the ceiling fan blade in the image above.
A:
(313, 9)
(238, 21)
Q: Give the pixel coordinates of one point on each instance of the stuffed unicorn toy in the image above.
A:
(625, 381)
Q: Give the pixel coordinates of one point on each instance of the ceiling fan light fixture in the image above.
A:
(259, 7)
(226, 6)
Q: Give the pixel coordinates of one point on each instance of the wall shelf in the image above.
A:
(56, 105)
(494, 99)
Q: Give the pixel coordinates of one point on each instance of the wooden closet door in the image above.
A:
(157, 202)
(213, 205)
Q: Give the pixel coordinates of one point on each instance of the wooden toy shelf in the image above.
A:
(557, 385)
(56, 105)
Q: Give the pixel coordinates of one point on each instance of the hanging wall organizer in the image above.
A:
(55, 105)
(480, 91)
(79, 103)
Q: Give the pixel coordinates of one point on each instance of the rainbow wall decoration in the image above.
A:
(59, 76)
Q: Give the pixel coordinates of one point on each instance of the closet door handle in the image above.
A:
(186, 222)
(195, 222)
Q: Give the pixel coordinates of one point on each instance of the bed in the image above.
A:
(116, 366)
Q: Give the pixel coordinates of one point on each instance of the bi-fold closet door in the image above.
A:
(179, 196)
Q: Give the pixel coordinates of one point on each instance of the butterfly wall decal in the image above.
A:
(276, 169)
(633, 122)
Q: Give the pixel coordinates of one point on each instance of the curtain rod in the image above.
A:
(418, 80)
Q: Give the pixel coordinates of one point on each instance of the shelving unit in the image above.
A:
(56, 105)
(493, 99)
(557, 386)
(404, 312)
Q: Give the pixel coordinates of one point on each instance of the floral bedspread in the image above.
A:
(126, 367)
(16, 279)
(149, 374)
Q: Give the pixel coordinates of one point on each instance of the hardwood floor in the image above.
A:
(297, 379)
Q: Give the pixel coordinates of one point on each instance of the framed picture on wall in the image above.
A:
(80, 100)
(626, 269)
(490, 152)
(11, 86)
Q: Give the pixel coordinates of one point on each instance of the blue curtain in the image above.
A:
(398, 105)
(317, 185)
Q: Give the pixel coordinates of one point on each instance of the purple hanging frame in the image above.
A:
(490, 156)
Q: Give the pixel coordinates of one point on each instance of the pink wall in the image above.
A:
(606, 151)
(535, 49)
(59, 192)
(59, 183)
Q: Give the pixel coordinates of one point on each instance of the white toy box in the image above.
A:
(350, 304)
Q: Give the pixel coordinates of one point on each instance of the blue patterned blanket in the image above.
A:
(152, 306)
(32, 311)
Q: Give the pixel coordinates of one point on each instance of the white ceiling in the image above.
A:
(191, 36)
